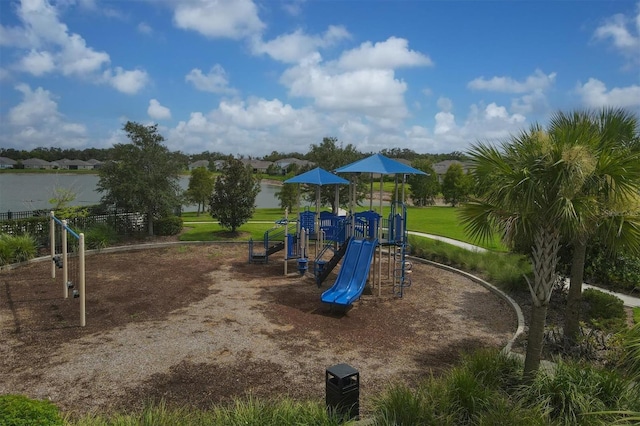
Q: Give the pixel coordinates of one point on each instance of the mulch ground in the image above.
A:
(198, 325)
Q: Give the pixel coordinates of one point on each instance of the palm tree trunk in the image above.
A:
(574, 298)
(535, 340)
(545, 258)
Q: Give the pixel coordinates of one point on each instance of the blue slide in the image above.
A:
(353, 273)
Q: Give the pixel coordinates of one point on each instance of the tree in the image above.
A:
(200, 187)
(526, 191)
(288, 196)
(330, 155)
(234, 196)
(424, 188)
(143, 175)
(456, 185)
(607, 187)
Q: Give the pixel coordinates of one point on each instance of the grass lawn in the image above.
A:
(435, 220)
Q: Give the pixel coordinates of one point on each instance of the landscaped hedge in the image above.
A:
(170, 225)
(16, 248)
(603, 310)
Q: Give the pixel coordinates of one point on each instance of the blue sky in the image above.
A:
(248, 77)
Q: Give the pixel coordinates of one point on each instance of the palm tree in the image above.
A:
(526, 189)
(606, 185)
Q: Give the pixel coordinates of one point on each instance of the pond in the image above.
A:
(32, 191)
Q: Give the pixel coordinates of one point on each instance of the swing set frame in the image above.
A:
(65, 261)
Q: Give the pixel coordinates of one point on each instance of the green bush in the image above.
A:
(170, 225)
(603, 311)
(99, 236)
(574, 392)
(504, 270)
(16, 248)
(18, 410)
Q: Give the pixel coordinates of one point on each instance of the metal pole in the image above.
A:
(65, 269)
(286, 251)
(52, 242)
(83, 298)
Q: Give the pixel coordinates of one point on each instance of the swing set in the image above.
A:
(72, 263)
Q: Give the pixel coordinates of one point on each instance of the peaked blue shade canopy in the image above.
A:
(318, 176)
(379, 164)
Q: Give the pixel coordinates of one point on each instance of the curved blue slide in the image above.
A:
(353, 273)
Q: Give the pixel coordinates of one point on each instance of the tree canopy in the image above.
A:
(143, 174)
(456, 185)
(424, 188)
(234, 196)
(200, 187)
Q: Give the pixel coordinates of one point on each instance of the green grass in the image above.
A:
(636, 315)
(441, 221)
(444, 221)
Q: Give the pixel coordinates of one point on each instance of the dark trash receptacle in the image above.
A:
(343, 390)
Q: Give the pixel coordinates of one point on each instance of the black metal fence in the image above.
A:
(36, 223)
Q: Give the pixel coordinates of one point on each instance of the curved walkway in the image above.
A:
(629, 301)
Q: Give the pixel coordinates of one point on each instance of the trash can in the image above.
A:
(343, 391)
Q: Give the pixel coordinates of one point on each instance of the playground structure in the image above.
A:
(357, 239)
(61, 258)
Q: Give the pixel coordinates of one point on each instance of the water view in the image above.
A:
(25, 191)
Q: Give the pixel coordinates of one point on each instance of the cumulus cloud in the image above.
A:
(129, 82)
(293, 47)
(536, 81)
(157, 111)
(594, 93)
(233, 19)
(36, 121)
(215, 81)
(389, 54)
(51, 47)
(624, 32)
(37, 63)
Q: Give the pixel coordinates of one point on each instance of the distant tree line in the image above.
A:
(105, 154)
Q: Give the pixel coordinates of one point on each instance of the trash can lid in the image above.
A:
(342, 370)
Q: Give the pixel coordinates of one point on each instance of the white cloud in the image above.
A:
(594, 94)
(157, 111)
(389, 54)
(37, 63)
(233, 19)
(215, 81)
(293, 47)
(293, 7)
(53, 48)
(536, 81)
(375, 93)
(129, 82)
(620, 30)
(35, 121)
(445, 104)
(144, 28)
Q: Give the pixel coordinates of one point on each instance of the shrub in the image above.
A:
(573, 392)
(16, 248)
(99, 236)
(170, 225)
(603, 311)
(18, 410)
(503, 270)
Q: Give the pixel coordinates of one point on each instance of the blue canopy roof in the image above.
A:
(318, 176)
(380, 164)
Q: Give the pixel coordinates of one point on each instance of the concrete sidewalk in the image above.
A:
(629, 301)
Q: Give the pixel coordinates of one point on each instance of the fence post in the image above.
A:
(65, 269)
(83, 298)
(52, 242)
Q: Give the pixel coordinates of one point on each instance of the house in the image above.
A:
(441, 167)
(7, 163)
(67, 164)
(286, 162)
(36, 163)
(258, 166)
(95, 163)
(199, 163)
(219, 164)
